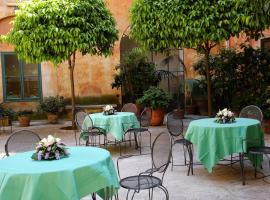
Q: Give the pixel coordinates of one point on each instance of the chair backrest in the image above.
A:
(21, 141)
(145, 118)
(130, 107)
(80, 116)
(253, 112)
(161, 152)
(174, 124)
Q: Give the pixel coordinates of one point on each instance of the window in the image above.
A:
(265, 45)
(21, 81)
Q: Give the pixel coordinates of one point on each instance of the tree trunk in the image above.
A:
(71, 62)
(208, 78)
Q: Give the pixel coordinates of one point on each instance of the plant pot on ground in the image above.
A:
(156, 99)
(52, 106)
(24, 117)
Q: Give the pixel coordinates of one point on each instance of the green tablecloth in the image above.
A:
(113, 124)
(215, 141)
(86, 170)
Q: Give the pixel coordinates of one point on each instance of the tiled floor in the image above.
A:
(223, 183)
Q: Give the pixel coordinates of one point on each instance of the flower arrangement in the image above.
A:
(225, 116)
(50, 148)
(108, 110)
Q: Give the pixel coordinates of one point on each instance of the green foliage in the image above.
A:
(162, 24)
(52, 105)
(7, 112)
(155, 98)
(24, 113)
(238, 79)
(135, 75)
(50, 30)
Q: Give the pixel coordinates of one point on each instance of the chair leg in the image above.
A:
(190, 168)
(241, 156)
(165, 191)
(185, 155)
(94, 196)
(75, 136)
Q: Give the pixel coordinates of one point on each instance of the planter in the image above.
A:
(201, 104)
(157, 117)
(5, 121)
(189, 109)
(24, 121)
(52, 118)
(179, 113)
(266, 126)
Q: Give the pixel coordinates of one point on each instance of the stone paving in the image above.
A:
(224, 183)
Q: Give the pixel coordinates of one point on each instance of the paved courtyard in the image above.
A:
(223, 183)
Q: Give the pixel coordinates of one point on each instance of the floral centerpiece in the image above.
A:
(50, 148)
(225, 116)
(108, 110)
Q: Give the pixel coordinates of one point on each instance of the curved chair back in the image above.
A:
(253, 112)
(174, 124)
(21, 141)
(130, 107)
(161, 152)
(145, 118)
(80, 116)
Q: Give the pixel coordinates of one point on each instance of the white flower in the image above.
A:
(50, 140)
(225, 113)
(224, 110)
(230, 114)
(219, 113)
(268, 101)
(108, 107)
(58, 140)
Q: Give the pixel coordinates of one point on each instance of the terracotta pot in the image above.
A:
(52, 118)
(24, 120)
(201, 104)
(189, 109)
(179, 113)
(266, 126)
(157, 117)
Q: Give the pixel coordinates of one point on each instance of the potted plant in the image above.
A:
(156, 99)
(24, 117)
(52, 106)
(6, 116)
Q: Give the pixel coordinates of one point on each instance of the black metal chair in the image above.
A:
(253, 112)
(130, 107)
(90, 133)
(161, 155)
(175, 127)
(21, 141)
(145, 122)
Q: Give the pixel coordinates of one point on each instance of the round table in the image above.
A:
(113, 124)
(215, 141)
(84, 171)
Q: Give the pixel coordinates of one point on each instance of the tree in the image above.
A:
(53, 30)
(200, 24)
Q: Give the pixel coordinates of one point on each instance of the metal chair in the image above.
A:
(21, 141)
(130, 107)
(145, 122)
(175, 127)
(91, 132)
(253, 112)
(161, 155)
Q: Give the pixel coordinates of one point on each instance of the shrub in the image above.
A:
(155, 98)
(52, 105)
